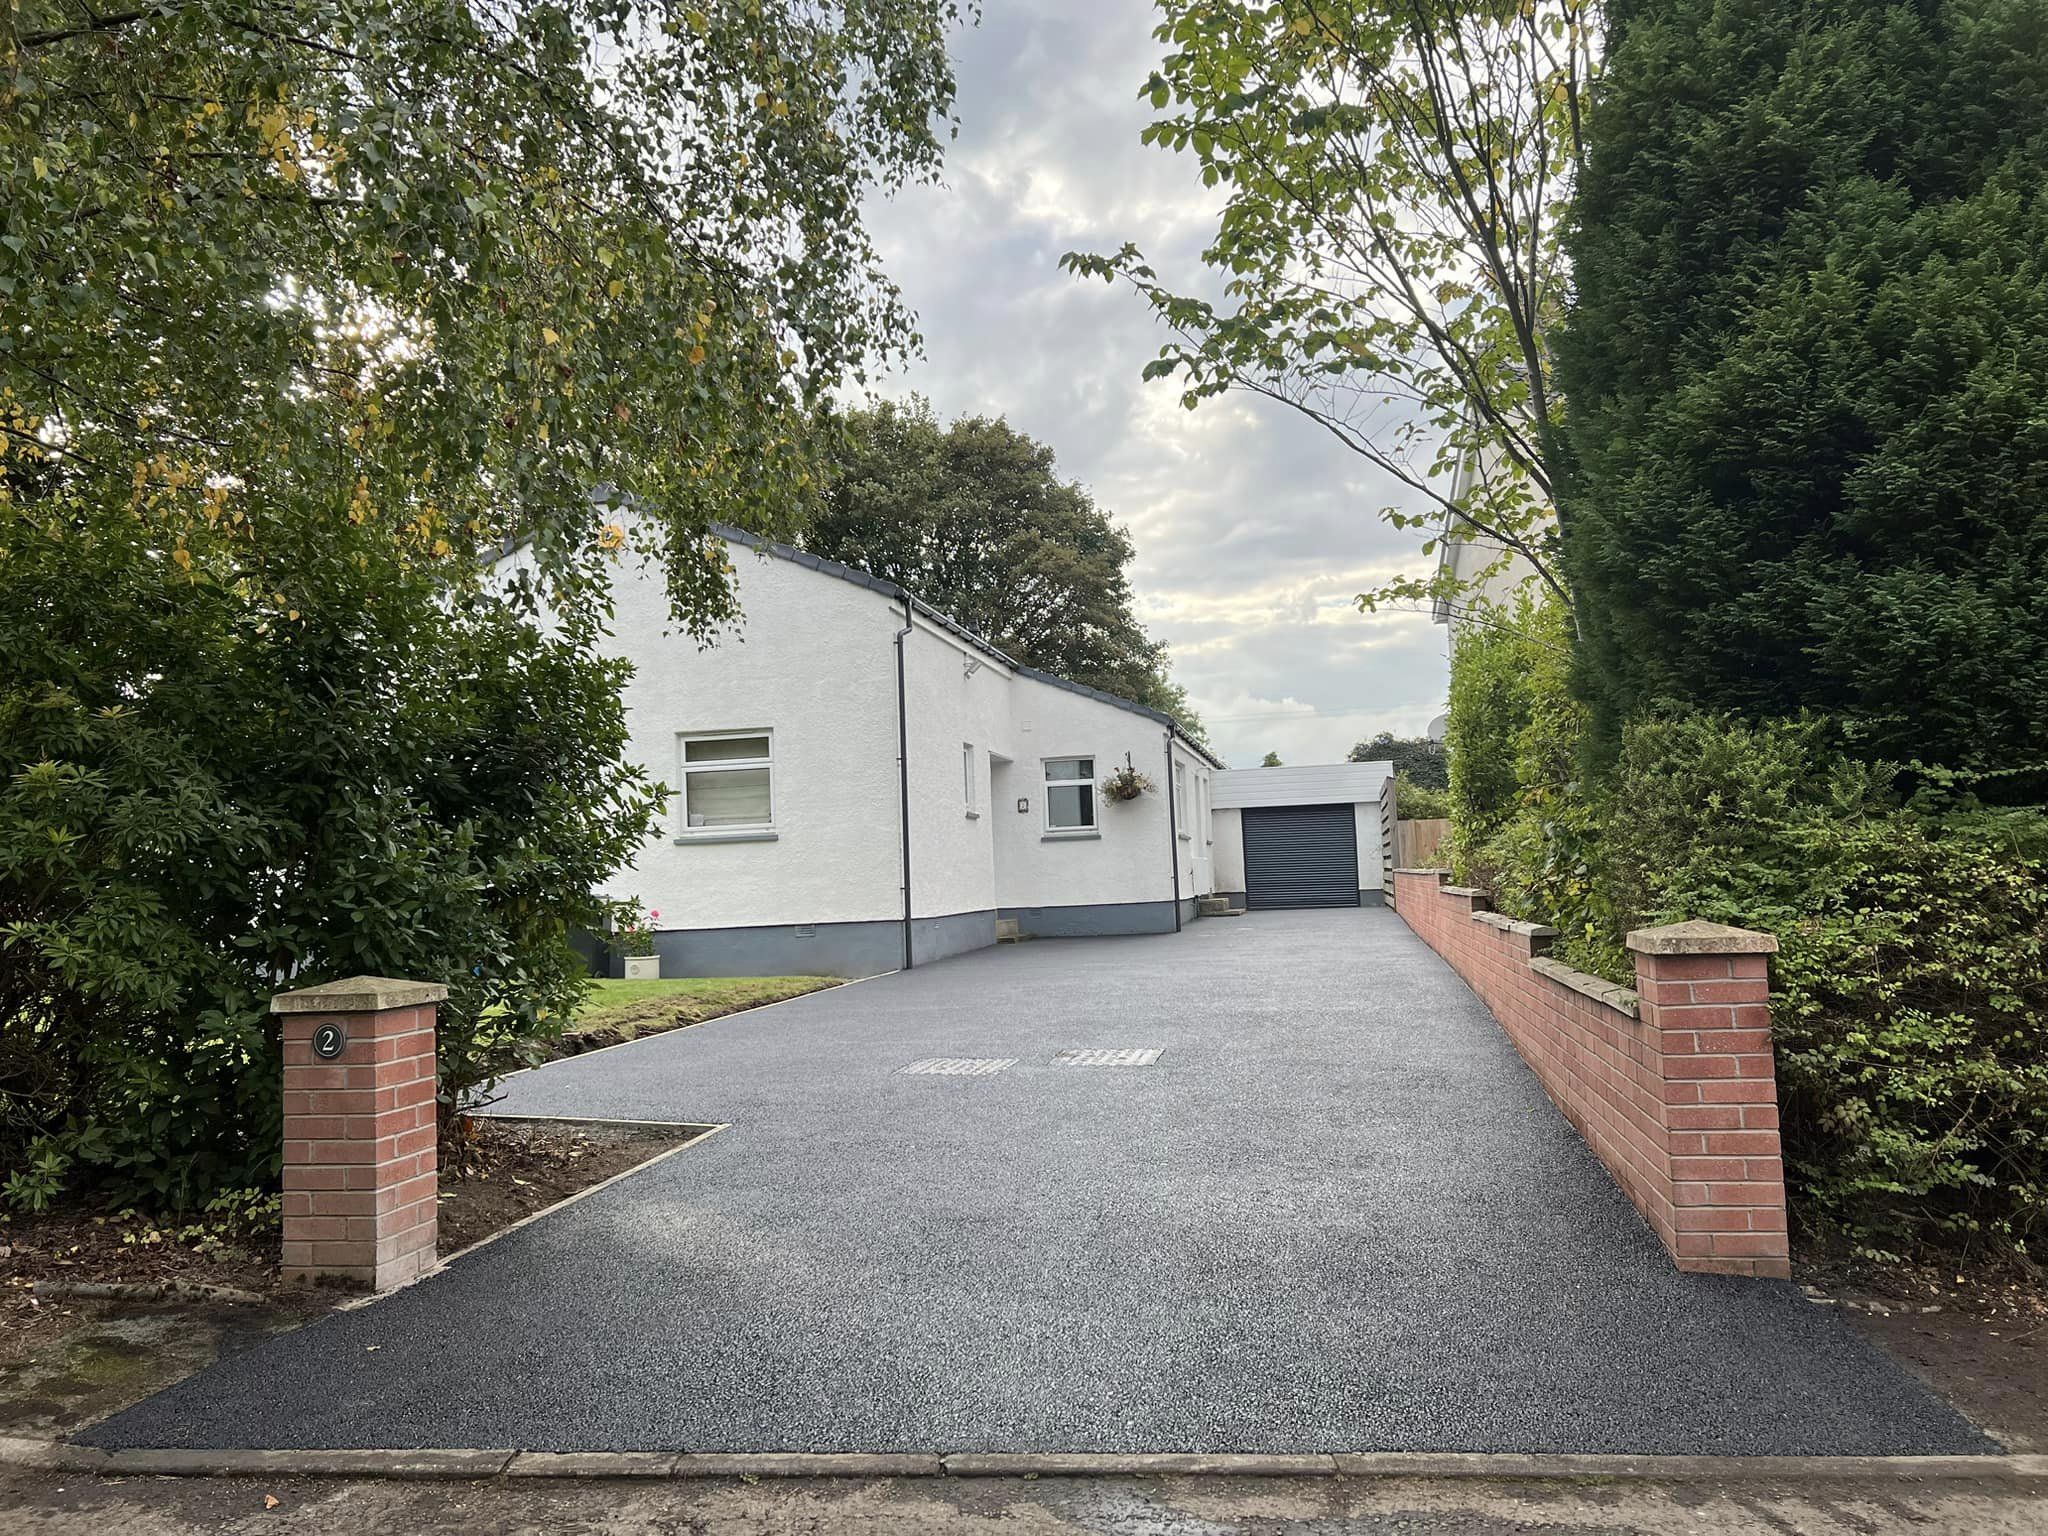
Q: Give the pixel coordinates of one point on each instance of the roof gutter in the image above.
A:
(903, 765)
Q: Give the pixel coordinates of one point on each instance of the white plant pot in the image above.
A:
(643, 967)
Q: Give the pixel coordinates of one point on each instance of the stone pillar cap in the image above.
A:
(1701, 938)
(359, 994)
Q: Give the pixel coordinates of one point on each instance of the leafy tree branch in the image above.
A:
(1389, 248)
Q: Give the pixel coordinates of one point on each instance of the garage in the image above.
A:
(1300, 856)
(1289, 838)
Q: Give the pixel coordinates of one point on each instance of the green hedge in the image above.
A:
(1523, 821)
(1803, 368)
(1910, 993)
(208, 805)
(1420, 802)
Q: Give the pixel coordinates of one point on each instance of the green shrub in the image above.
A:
(208, 805)
(1910, 992)
(1489, 706)
(1524, 823)
(1420, 802)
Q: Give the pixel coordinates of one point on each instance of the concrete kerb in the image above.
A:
(484, 1465)
(1163, 1464)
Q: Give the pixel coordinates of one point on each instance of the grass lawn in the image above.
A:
(621, 1010)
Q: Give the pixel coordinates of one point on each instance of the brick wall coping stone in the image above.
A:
(1701, 938)
(1508, 924)
(1425, 869)
(1599, 988)
(1465, 890)
(359, 994)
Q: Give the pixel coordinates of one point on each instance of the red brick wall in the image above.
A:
(1672, 1085)
(361, 1175)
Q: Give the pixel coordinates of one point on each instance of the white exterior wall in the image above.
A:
(1128, 861)
(1464, 559)
(999, 857)
(814, 664)
(1228, 825)
(1193, 826)
(953, 703)
(1372, 864)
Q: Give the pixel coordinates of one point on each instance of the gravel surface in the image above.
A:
(1337, 1214)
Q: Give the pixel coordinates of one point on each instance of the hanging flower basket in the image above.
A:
(1126, 783)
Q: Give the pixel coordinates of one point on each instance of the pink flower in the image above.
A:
(655, 913)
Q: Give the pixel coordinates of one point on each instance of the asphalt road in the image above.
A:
(1337, 1214)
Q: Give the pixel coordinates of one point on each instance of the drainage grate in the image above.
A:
(1105, 1058)
(959, 1066)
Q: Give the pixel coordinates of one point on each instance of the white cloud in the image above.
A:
(1255, 531)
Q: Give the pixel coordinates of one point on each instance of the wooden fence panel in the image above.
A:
(1415, 842)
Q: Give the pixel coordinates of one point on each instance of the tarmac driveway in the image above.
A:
(1337, 1214)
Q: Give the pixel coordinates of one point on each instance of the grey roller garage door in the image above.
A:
(1300, 856)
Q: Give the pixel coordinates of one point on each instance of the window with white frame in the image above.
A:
(1070, 794)
(728, 781)
(1180, 799)
(967, 777)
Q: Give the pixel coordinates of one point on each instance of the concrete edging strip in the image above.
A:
(806, 1464)
(483, 1465)
(585, 1464)
(394, 1464)
(1158, 1464)
(1549, 1465)
(702, 1127)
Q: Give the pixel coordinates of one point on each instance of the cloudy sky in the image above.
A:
(1254, 531)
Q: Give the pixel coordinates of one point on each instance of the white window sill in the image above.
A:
(749, 835)
(1077, 835)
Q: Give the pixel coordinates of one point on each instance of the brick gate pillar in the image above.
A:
(360, 1131)
(1705, 995)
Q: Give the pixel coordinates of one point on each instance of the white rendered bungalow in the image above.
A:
(861, 784)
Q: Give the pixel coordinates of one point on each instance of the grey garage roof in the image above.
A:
(1307, 784)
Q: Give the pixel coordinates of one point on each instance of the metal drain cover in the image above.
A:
(958, 1066)
(1144, 1058)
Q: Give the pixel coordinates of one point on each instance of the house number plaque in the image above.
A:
(329, 1041)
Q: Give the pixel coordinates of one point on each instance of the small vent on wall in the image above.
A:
(806, 930)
